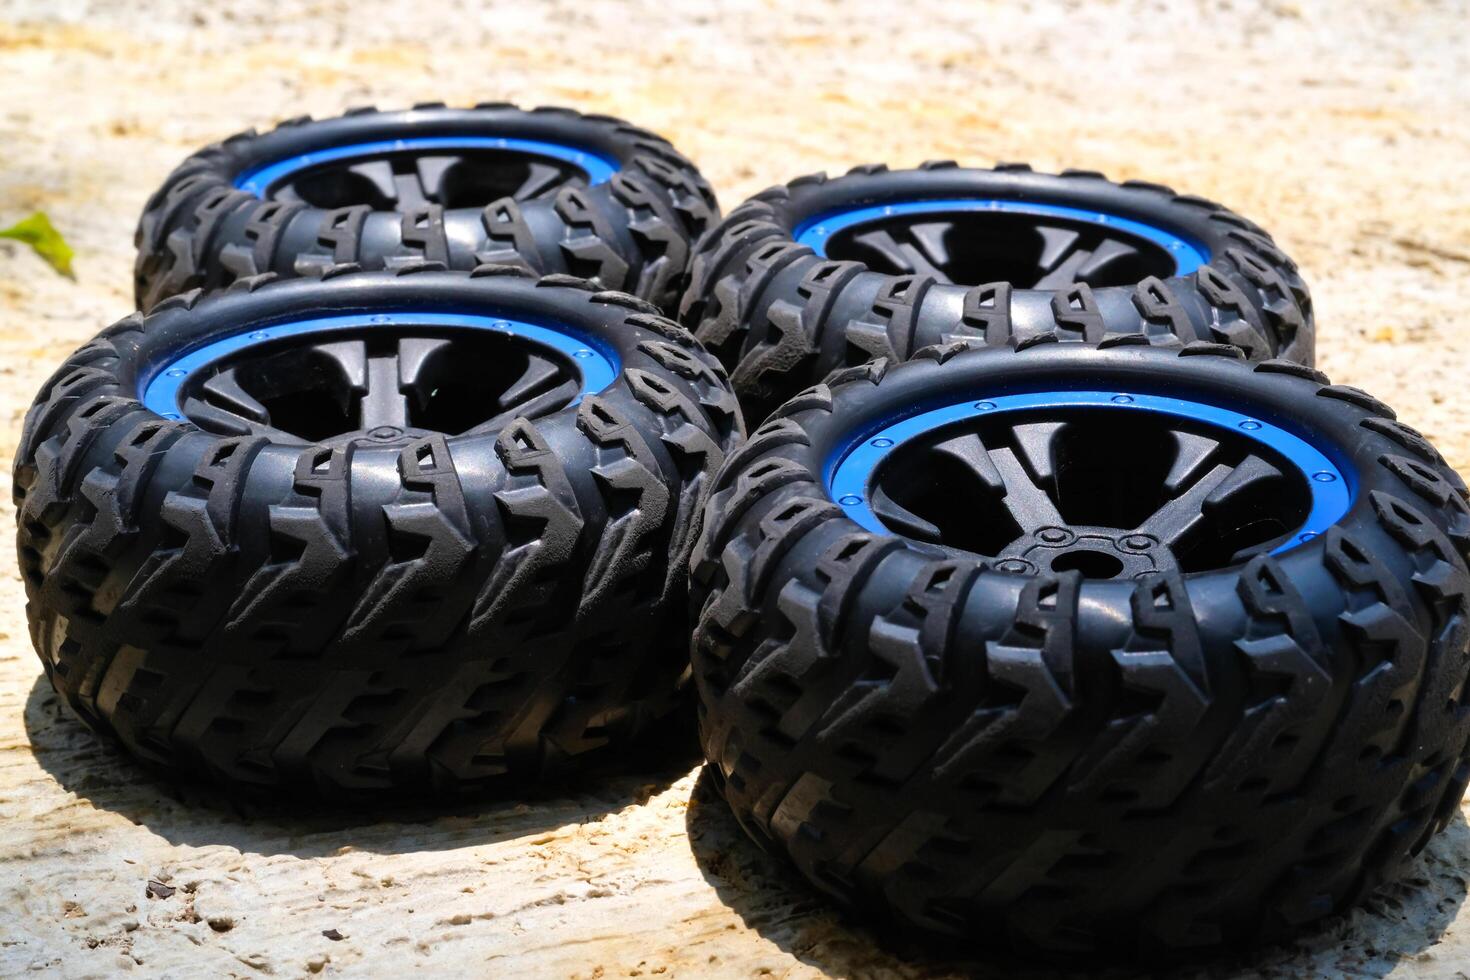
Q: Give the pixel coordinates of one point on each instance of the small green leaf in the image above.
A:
(38, 232)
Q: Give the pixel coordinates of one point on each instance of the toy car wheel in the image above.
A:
(1130, 650)
(548, 189)
(818, 274)
(374, 534)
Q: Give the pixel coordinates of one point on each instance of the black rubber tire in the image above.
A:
(633, 232)
(780, 317)
(373, 616)
(1046, 762)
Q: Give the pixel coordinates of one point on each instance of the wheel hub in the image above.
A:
(1030, 244)
(1096, 552)
(381, 376)
(1113, 485)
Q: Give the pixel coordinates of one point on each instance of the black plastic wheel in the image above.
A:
(819, 274)
(379, 533)
(1087, 650)
(548, 189)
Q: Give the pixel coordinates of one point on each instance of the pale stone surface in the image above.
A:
(1343, 127)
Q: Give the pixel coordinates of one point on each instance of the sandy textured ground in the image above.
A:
(1343, 127)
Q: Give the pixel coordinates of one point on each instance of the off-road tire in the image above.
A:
(780, 316)
(632, 232)
(380, 614)
(1083, 766)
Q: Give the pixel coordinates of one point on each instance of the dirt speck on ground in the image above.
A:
(1344, 128)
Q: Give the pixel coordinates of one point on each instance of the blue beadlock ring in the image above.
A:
(850, 471)
(259, 181)
(594, 361)
(816, 232)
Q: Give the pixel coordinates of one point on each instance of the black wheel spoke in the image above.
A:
(932, 252)
(223, 391)
(902, 519)
(408, 192)
(1252, 475)
(1025, 500)
(379, 174)
(1059, 256)
(217, 419)
(540, 178)
(1102, 259)
(415, 356)
(224, 406)
(1192, 453)
(970, 453)
(384, 402)
(904, 257)
(1183, 514)
(899, 259)
(351, 358)
(542, 386)
(1210, 495)
(429, 174)
(1037, 444)
(1004, 473)
(540, 376)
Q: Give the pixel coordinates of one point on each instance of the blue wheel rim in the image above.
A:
(259, 181)
(816, 233)
(850, 471)
(596, 363)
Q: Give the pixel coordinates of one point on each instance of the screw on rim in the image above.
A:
(383, 372)
(1035, 481)
(1028, 243)
(402, 174)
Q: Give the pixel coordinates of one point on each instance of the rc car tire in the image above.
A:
(630, 228)
(379, 613)
(1049, 762)
(782, 308)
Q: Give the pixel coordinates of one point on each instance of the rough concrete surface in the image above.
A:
(1345, 128)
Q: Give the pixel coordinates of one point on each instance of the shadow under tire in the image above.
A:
(376, 534)
(822, 273)
(1087, 756)
(549, 189)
